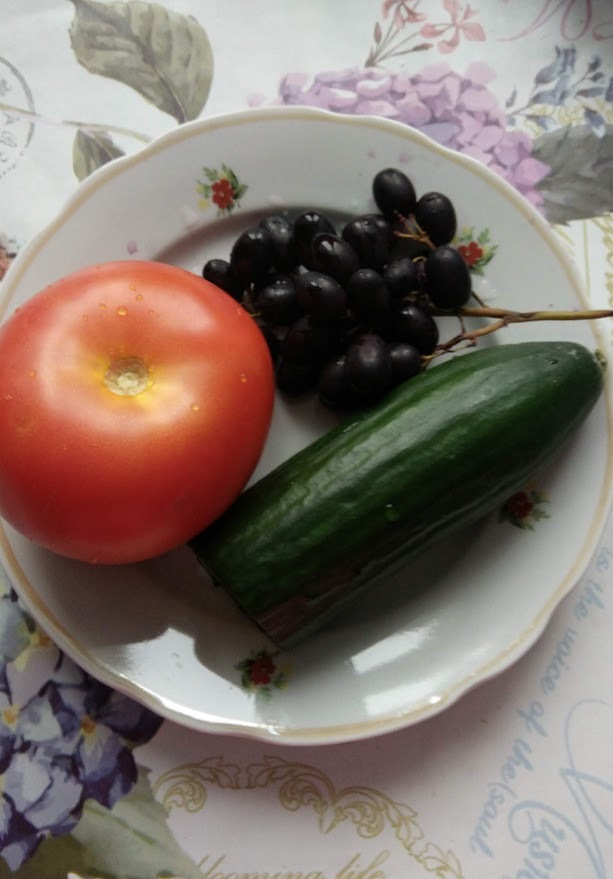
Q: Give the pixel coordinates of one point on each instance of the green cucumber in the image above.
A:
(442, 450)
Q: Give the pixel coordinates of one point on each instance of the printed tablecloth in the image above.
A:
(515, 781)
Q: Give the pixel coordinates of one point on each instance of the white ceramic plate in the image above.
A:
(159, 631)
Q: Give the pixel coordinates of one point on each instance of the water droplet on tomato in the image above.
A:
(122, 311)
(243, 377)
(195, 407)
(32, 373)
(139, 297)
(102, 305)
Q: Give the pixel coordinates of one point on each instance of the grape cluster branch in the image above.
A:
(502, 317)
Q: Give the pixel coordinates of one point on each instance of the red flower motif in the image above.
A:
(520, 506)
(472, 252)
(223, 193)
(262, 669)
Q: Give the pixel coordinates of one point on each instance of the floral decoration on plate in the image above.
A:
(525, 508)
(261, 674)
(222, 187)
(476, 248)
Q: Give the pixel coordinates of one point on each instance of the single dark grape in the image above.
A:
(306, 227)
(405, 360)
(333, 387)
(251, 256)
(308, 343)
(219, 272)
(369, 297)
(277, 301)
(321, 297)
(436, 216)
(270, 277)
(295, 379)
(448, 280)
(371, 236)
(412, 324)
(334, 256)
(281, 231)
(369, 370)
(393, 193)
(402, 277)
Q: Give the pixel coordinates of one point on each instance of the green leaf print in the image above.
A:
(580, 182)
(133, 839)
(92, 150)
(55, 858)
(130, 841)
(163, 55)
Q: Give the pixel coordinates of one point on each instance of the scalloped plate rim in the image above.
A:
(352, 730)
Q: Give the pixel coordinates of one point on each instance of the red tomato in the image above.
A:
(135, 400)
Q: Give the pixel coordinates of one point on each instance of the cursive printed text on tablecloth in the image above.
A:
(581, 826)
(575, 828)
(356, 867)
(573, 18)
(388, 832)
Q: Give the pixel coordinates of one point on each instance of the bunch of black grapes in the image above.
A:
(347, 311)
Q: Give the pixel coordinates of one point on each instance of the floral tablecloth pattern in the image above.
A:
(516, 781)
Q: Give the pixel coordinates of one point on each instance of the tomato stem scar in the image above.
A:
(127, 377)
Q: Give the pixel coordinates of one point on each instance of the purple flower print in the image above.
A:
(13, 629)
(44, 796)
(458, 111)
(8, 718)
(18, 838)
(559, 84)
(70, 741)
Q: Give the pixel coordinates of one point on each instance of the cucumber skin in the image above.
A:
(442, 450)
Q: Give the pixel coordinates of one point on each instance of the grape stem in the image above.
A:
(413, 231)
(502, 317)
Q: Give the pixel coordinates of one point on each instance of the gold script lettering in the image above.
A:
(355, 870)
(215, 872)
